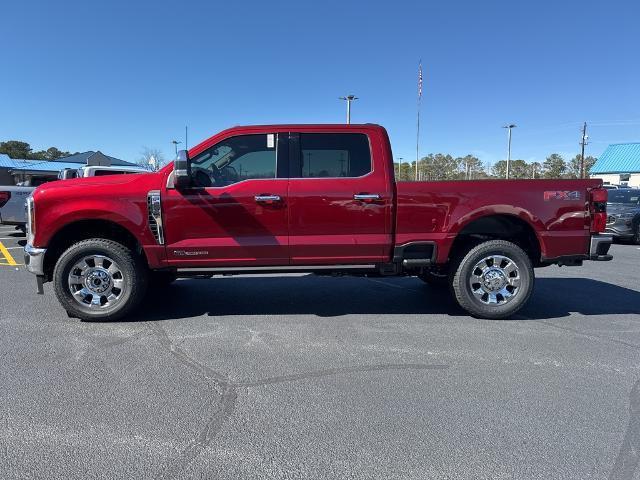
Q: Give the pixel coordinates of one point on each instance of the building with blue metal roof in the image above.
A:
(91, 158)
(619, 164)
(13, 169)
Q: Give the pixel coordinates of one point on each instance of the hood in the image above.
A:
(115, 180)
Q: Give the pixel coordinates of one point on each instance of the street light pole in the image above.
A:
(400, 167)
(349, 99)
(509, 127)
(176, 143)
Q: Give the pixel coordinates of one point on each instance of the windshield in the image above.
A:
(630, 197)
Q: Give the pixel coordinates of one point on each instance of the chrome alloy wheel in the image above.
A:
(96, 281)
(495, 280)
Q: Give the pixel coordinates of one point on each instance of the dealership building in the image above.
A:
(619, 164)
(13, 171)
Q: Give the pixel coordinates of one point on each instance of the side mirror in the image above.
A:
(182, 170)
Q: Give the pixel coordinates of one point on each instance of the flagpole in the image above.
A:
(418, 139)
(418, 117)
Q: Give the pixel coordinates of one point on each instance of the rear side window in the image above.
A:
(331, 155)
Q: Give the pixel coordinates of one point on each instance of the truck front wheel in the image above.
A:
(99, 280)
(493, 280)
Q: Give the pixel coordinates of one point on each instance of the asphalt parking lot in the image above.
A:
(303, 376)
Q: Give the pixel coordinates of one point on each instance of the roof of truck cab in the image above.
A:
(284, 127)
(305, 126)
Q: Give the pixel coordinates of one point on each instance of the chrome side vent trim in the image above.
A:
(154, 215)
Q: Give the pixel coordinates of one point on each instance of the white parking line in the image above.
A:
(11, 238)
(15, 248)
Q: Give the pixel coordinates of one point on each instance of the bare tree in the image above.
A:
(152, 159)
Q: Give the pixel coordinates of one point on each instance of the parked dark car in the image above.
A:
(623, 209)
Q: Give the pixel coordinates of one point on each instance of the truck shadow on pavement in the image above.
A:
(333, 297)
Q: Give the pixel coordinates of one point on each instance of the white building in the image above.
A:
(619, 164)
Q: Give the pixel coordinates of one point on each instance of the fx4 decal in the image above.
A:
(561, 195)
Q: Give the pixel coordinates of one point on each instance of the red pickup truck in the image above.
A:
(305, 198)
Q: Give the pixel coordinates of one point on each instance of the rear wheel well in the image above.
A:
(85, 229)
(498, 227)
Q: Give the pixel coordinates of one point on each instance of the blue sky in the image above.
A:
(120, 75)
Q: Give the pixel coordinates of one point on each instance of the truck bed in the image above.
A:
(438, 211)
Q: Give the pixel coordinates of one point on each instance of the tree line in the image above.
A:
(22, 150)
(440, 166)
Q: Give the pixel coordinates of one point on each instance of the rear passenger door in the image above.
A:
(339, 200)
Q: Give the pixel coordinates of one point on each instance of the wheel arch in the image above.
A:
(498, 226)
(85, 229)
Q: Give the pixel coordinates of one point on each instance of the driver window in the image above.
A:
(236, 159)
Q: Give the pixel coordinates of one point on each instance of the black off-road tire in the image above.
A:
(131, 265)
(462, 270)
(636, 234)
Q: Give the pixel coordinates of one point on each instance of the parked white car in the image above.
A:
(97, 171)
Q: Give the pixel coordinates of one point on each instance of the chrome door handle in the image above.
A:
(366, 197)
(267, 198)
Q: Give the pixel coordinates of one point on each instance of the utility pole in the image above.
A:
(176, 143)
(349, 99)
(583, 142)
(186, 137)
(509, 127)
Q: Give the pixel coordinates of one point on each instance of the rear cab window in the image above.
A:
(331, 155)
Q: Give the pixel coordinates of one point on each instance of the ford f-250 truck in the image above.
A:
(305, 198)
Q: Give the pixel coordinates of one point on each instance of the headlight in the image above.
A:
(31, 219)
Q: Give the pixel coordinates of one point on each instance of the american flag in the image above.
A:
(420, 80)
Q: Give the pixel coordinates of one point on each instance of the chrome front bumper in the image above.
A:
(34, 259)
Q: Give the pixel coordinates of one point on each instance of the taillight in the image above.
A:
(598, 208)
(4, 198)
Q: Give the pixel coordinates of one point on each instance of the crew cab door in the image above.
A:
(235, 214)
(340, 199)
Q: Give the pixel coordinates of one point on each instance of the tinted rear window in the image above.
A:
(326, 155)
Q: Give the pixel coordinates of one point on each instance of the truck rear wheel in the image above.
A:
(99, 280)
(493, 280)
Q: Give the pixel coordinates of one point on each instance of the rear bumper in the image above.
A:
(599, 247)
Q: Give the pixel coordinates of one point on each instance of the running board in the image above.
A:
(416, 262)
(274, 269)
